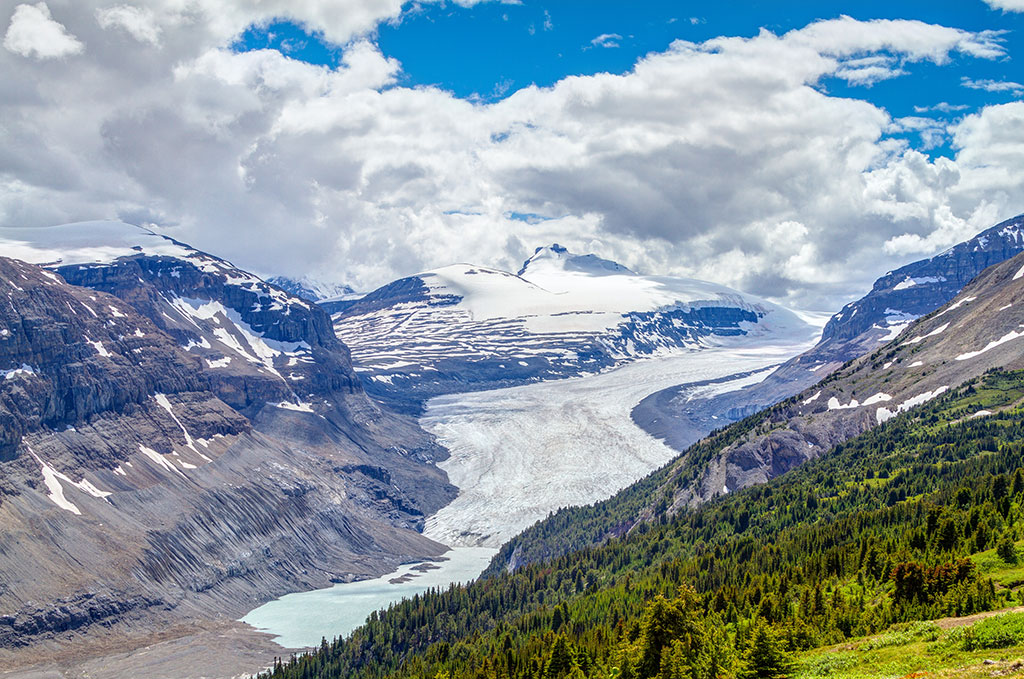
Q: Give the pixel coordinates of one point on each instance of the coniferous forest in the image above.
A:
(915, 520)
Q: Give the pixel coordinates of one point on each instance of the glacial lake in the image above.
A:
(300, 620)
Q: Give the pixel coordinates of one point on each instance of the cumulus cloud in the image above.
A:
(724, 160)
(1007, 5)
(140, 23)
(33, 33)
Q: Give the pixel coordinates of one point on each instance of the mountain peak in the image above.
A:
(557, 257)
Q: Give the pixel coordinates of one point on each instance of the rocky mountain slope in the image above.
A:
(896, 299)
(468, 328)
(181, 440)
(976, 332)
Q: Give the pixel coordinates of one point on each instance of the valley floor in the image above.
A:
(519, 453)
(218, 650)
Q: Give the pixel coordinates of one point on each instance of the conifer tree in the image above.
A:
(766, 658)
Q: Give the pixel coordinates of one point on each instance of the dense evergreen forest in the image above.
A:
(909, 521)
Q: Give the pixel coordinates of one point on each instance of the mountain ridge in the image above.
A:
(894, 301)
(151, 481)
(468, 328)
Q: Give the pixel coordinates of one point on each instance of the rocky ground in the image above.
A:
(210, 650)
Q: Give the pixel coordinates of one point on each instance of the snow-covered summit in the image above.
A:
(554, 257)
(465, 327)
(95, 242)
(558, 291)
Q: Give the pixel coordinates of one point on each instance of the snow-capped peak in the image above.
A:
(556, 257)
(96, 242)
(314, 289)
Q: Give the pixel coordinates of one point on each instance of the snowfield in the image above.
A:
(519, 453)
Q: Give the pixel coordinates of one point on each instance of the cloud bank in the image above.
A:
(726, 160)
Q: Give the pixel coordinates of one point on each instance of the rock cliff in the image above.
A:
(180, 440)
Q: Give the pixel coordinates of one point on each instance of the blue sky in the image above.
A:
(488, 51)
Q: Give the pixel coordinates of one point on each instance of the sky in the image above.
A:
(793, 150)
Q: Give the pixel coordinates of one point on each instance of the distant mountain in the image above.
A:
(896, 299)
(180, 438)
(465, 327)
(313, 290)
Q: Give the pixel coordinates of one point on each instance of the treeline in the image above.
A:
(881, 530)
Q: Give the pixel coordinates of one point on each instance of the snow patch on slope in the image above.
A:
(884, 414)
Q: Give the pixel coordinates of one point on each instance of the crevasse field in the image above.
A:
(519, 453)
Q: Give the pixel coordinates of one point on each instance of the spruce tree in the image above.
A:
(766, 658)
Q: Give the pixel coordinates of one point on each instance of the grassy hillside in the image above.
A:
(917, 519)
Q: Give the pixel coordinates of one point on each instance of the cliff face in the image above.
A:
(259, 344)
(180, 440)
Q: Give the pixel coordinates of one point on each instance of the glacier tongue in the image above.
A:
(521, 452)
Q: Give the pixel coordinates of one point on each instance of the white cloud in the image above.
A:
(1007, 5)
(941, 107)
(723, 160)
(140, 23)
(606, 40)
(993, 85)
(33, 33)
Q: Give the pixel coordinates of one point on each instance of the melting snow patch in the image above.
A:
(139, 333)
(25, 369)
(965, 300)
(219, 362)
(887, 365)
(920, 338)
(1004, 308)
(982, 413)
(877, 398)
(1020, 272)
(166, 405)
(909, 282)
(883, 414)
(300, 407)
(120, 471)
(159, 459)
(916, 364)
(1012, 335)
(833, 404)
(812, 399)
(98, 346)
(203, 343)
(51, 477)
